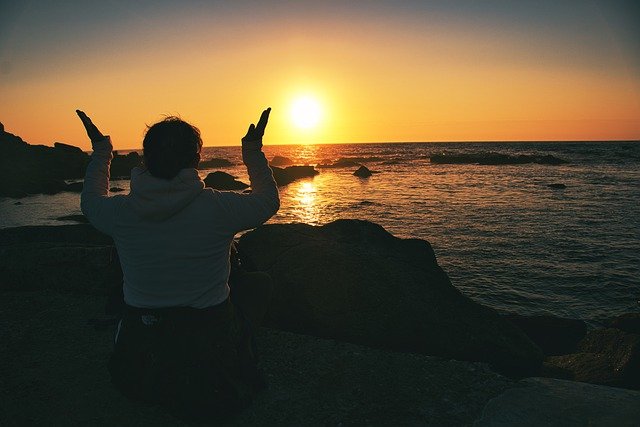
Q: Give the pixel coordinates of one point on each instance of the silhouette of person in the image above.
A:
(185, 337)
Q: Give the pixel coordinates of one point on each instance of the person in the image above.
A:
(185, 338)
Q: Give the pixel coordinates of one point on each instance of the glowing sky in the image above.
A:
(381, 70)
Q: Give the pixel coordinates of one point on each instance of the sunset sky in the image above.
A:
(372, 71)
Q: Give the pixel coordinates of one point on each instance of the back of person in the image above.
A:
(182, 341)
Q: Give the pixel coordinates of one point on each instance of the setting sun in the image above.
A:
(306, 112)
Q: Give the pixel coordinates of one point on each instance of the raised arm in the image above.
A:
(94, 201)
(246, 211)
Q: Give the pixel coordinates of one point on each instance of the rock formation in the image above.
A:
(224, 182)
(292, 173)
(352, 280)
(363, 172)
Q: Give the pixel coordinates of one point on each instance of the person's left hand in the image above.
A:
(92, 130)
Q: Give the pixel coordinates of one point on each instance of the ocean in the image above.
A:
(506, 236)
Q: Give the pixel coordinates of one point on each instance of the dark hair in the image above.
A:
(171, 145)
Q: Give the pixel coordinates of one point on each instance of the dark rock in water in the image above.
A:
(629, 322)
(75, 187)
(558, 186)
(363, 172)
(352, 280)
(116, 189)
(292, 173)
(77, 218)
(214, 163)
(495, 159)
(605, 356)
(280, 161)
(17, 203)
(224, 182)
(554, 335)
(121, 165)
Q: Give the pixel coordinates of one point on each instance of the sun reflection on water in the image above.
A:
(305, 202)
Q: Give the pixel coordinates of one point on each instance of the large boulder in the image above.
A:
(224, 182)
(554, 335)
(292, 173)
(280, 161)
(363, 172)
(352, 280)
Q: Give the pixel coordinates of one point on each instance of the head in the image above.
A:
(171, 145)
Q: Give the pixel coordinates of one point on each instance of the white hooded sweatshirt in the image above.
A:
(174, 236)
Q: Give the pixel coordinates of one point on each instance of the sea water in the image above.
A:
(504, 236)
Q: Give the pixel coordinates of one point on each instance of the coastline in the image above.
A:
(317, 379)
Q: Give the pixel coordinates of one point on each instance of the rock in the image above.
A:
(224, 182)
(121, 165)
(77, 218)
(363, 172)
(17, 203)
(495, 159)
(280, 161)
(629, 322)
(557, 186)
(67, 148)
(75, 187)
(292, 173)
(35, 169)
(605, 356)
(554, 335)
(351, 280)
(549, 402)
(214, 163)
(116, 189)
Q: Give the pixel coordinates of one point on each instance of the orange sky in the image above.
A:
(403, 77)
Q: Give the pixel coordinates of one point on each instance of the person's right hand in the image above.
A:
(253, 138)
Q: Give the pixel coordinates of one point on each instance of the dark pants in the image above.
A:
(200, 363)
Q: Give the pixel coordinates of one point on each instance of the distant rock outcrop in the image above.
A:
(37, 169)
(496, 159)
(292, 173)
(224, 182)
(354, 281)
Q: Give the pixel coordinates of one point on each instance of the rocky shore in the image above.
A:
(364, 328)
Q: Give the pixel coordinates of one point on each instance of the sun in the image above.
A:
(306, 112)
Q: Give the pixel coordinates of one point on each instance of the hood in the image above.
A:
(158, 199)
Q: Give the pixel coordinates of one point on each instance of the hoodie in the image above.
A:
(174, 236)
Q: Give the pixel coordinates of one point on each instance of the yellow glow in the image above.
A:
(306, 112)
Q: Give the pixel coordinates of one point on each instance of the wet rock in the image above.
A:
(280, 161)
(116, 189)
(292, 173)
(363, 172)
(554, 335)
(224, 182)
(629, 322)
(351, 280)
(214, 163)
(605, 356)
